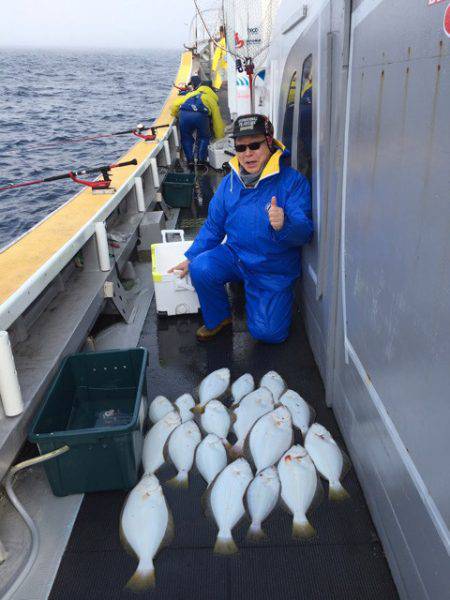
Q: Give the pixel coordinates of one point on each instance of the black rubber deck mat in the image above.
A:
(345, 559)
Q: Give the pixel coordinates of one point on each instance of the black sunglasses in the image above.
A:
(252, 146)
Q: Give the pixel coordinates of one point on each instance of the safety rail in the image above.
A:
(20, 300)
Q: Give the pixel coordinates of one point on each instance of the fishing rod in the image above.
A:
(137, 131)
(100, 184)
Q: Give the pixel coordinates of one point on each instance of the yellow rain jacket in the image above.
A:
(211, 101)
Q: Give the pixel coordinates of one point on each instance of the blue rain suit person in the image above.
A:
(266, 260)
(195, 111)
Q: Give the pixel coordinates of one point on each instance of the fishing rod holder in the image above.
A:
(147, 136)
(101, 186)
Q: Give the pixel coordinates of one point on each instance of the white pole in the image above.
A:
(9, 382)
(167, 153)
(139, 194)
(154, 167)
(102, 246)
(175, 135)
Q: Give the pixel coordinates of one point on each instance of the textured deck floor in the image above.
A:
(344, 561)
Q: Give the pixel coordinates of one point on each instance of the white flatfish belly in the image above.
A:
(145, 525)
(262, 497)
(181, 448)
(210, 457)
(184, 404)
(241, 387)
(270, 437)
(159, 408)
(155, 440)
(250, 409)
(301, 412)
(226, 502)
(299, 485)
(328, 459)
(275, 383)
(214, 385)
(216, 419)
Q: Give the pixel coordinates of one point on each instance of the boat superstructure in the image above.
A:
(357, 91)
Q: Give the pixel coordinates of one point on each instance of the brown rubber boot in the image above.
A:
(203, 333)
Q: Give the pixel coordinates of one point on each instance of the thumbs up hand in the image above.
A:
(276, 215)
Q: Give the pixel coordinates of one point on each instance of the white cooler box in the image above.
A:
(216, 152)
(174, 296)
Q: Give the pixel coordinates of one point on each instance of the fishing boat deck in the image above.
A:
(344, 560)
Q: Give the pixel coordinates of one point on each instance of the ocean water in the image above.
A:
(52, 96)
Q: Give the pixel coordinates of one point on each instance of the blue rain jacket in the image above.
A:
(270, 259)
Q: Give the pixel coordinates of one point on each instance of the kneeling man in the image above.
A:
(263, 207)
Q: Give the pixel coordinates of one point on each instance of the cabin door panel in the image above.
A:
(392, 363)
(313, 54)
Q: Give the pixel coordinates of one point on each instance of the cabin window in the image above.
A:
(304, 144)
(289, 114)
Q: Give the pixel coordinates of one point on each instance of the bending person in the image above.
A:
(195, 110)
(264, 209)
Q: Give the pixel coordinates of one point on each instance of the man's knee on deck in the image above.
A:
(270, 333)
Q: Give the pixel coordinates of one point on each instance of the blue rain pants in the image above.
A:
(269, 312)
(194, 122)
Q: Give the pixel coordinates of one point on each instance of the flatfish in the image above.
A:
(155, 440)
(241, 387)
(275, 383)
(329, 459)
(249, 410)
(159, 408)
(181, 447)
(210, 457)
(226, 502)
(302, 413)
(262, 497)
(184, 404)
(299, 487)
(145, 525)
(213, 386)
(216, 419)
(270, 437)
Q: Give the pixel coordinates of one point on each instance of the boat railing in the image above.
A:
(140, 191)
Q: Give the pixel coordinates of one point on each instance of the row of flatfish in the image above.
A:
(263, 421)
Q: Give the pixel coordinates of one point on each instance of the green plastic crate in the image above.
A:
(178, 189)
(94, 406)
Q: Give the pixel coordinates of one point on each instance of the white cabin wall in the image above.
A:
(289, 11)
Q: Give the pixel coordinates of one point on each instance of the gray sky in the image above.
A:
(96, 23)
